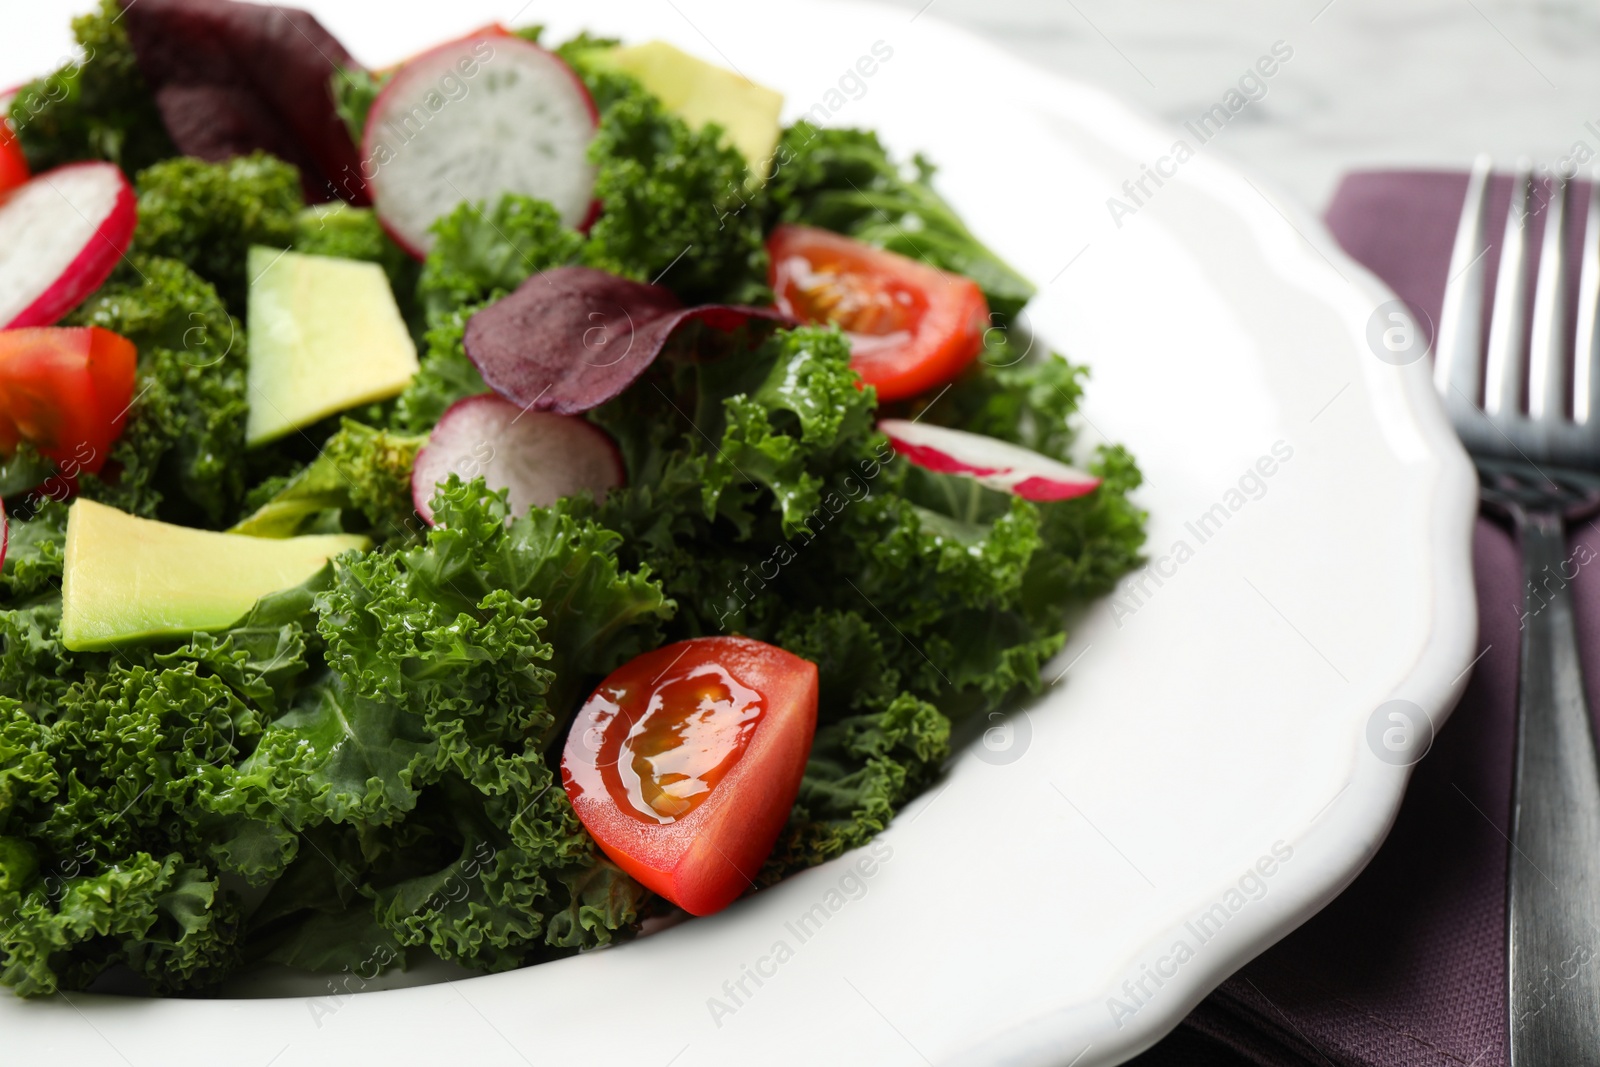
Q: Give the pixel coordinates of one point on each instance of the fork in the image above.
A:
(1538, 466)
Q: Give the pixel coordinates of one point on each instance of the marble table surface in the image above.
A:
(1370, 82)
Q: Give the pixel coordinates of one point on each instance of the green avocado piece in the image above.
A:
(325, 335)
(699, 92)
(125, 578)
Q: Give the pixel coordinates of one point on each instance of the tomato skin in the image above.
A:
(912, 327)
(66, 391)
(703, 860)
(13, 166)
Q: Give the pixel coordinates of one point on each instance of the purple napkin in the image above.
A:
(1407, 967)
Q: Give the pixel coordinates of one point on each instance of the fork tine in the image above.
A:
(1547, 353)
(1506, 324)
(1458, 348)
(1585, 380)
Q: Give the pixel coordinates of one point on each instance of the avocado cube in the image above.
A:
(325, 335)
(125, 578)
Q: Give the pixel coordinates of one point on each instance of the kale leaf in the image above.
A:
(482, 252)
(395, 717)
(769, 505)
(361, 472)
(674, 204)
(182, 453)
(207, 215)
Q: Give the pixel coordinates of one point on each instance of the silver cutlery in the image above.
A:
(1537, 464)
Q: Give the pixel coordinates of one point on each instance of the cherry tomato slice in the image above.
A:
(684, 764)
(912, 327)
(66, 391)
(13, 166)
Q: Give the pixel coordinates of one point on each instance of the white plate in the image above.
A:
(1217, 717)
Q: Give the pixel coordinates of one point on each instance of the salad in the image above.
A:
(469, 508)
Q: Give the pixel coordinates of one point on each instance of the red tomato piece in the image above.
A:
(911, 327)
(66, 391)
(13, 167)
(684, 764)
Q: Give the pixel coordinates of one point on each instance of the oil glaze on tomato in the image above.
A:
(684, 763)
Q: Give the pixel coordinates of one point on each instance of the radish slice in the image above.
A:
(472, 120)
(61, 235)
(996, 464)
(539, 457)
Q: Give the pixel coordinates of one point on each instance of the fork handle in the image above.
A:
(1554, 886)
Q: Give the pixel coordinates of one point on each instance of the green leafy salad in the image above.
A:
(292, 645)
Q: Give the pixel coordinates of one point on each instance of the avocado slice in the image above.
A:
(325, 335)
(125, 578)
(699, 92)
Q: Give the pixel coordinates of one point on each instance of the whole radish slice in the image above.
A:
(537, 456)
(996, 464)
(61, 235)
(472, 120)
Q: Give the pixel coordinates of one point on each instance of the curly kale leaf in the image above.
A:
(182, 453)
(166, 920)
(600, 612)
(96, 107)
(446, 375)
(362, 472)
(728, 437)
(35, 550)
(843, 180)
(207, 215)
(374, 748)
(118, 777)
(453, 666)
(480, 253)
(771, 507)
(674, 203)
(861, 771)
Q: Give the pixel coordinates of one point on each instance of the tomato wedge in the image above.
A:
(911, 327)
(13, 166)
(66, 391)
(684, 764)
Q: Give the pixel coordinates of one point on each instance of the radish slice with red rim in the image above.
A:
(472, 120)
(61, 235)
(994, 463)
(537, 456)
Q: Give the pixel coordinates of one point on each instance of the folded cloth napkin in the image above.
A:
(1407, 967)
